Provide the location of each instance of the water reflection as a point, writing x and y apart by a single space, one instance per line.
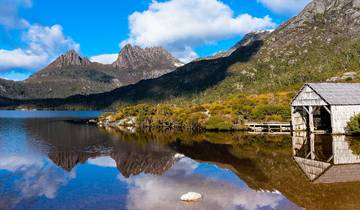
53 163
325 158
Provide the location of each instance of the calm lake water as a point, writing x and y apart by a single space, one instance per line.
50 160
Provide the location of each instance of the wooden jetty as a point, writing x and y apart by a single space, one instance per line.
269 127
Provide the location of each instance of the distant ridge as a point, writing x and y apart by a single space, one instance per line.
70 74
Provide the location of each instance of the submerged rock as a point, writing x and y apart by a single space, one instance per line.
191 197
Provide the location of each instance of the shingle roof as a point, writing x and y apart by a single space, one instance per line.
338 93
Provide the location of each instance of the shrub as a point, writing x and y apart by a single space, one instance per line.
354 124
218 122
355 146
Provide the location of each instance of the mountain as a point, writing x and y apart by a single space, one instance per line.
185 81
322 42
137 58
71 74
70 59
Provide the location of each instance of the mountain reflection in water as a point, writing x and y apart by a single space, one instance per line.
57 164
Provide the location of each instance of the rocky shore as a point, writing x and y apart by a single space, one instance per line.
128 124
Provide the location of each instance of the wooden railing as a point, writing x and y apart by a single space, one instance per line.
269 127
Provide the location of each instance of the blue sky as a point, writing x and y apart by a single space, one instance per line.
34 32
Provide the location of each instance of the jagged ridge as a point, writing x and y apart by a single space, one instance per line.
134 57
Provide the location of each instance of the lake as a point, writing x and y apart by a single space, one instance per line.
53 160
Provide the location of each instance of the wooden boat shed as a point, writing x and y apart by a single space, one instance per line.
325 107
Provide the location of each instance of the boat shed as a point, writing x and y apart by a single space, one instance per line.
325 107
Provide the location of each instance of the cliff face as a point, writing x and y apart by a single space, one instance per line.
145 63
71 58
134 57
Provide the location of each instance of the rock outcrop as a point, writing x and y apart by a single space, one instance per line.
134 57
71 58
335 11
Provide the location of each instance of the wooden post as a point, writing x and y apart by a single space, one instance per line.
312 146
292 125
311 119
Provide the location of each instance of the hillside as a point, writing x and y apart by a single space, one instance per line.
320 43
71 74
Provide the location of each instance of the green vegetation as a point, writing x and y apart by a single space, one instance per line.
225 115
355 146
218 122
354 124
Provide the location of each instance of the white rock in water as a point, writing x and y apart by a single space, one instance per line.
179 156
191 196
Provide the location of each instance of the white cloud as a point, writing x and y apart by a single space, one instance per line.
37 176
185 54
20 58
285 6
48 40
104 58
106 162
9 17
181 25
14 163
43 44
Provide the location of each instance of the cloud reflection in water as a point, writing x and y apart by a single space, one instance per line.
163 192
32 176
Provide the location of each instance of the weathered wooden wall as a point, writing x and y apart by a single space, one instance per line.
342 152
298 120
307 97
341 116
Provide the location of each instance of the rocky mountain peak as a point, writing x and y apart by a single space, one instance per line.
322 6
71 58
135 57
329 11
